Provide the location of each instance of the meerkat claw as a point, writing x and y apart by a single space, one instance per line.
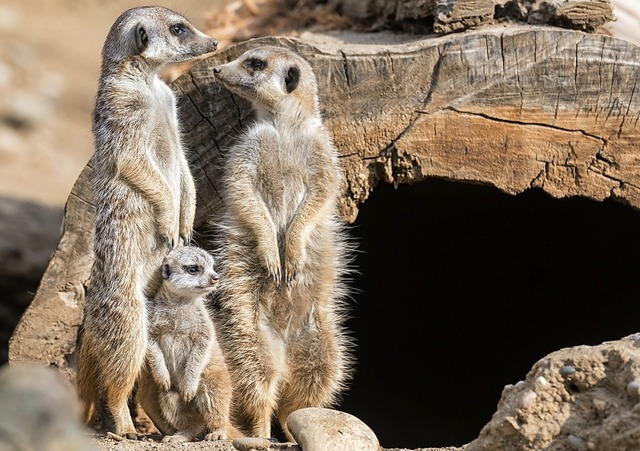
291 277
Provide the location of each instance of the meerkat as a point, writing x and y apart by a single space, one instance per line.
144 200
184 386
283 250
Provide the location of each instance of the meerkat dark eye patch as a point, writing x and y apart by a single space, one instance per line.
142 40
178 29
166 271
292 78
193 269
255 64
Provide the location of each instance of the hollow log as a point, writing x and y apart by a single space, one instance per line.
513 107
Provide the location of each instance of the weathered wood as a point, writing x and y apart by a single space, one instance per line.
577 14
455 15
515 108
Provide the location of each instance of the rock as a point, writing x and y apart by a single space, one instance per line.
317 429
29 233
39 411
589 401
251 443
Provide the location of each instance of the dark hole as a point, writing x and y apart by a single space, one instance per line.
573 388
463 288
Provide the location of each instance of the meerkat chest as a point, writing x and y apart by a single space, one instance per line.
178 333
285 170
165 131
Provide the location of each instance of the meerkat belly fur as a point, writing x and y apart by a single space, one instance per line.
144 198
185 387
283 251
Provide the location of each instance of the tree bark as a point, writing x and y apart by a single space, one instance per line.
456 15
513 107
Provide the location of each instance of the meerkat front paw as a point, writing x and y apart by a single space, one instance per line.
271 262
168 228
170 238
163 381
186 232
189 390
295 257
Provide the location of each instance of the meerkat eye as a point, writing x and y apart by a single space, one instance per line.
193 270
255 64
178 29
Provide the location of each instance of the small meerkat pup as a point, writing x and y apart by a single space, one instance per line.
144 199
185 386
283 251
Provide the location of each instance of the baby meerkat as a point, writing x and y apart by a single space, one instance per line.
185 386
144 198
282 248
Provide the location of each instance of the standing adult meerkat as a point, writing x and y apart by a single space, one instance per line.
184 386
144 199
283 250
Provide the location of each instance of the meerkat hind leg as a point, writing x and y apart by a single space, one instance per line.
118 405
311 382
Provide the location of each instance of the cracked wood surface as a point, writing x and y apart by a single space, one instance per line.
513 107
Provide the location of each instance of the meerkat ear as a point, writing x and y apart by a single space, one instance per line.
166 271
142 40
292 78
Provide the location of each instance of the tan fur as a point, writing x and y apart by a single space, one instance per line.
283 251
185 386
144 199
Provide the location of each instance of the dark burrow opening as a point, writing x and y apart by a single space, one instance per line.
462 288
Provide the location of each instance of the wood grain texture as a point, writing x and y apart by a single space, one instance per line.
450 16
513 107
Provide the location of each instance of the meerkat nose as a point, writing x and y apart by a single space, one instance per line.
214 278
217 70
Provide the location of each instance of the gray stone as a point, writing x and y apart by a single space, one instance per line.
251 443
39 411
317 429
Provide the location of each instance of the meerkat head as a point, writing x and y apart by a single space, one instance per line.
156 34
275 79
188 271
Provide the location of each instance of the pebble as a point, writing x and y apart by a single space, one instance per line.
251 443
576 442
318 429
636 341
528 398
567 370
633 389
600 405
